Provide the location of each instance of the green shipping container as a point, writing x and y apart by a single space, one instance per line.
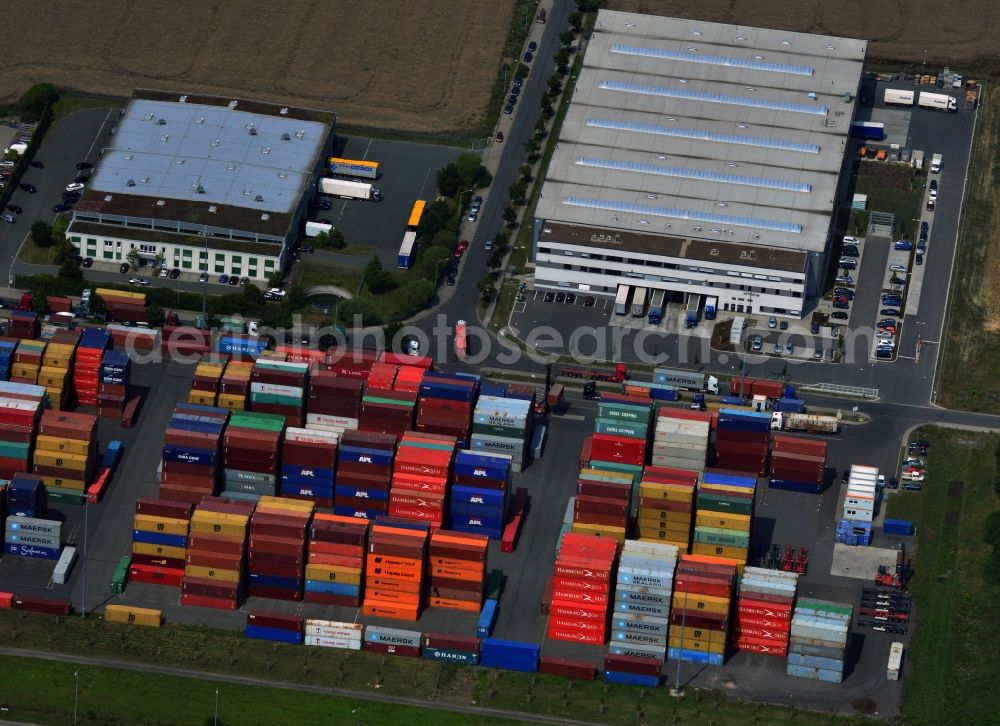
726 537
716 503
14 450
65 496
624 412
633 470
507 432
622 428
257 420
120 577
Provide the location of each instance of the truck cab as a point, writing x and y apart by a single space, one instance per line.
712 385
698 402
776 421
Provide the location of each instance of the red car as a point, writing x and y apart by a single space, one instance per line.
463 245
499 137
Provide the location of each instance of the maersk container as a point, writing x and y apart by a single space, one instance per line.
487 619
510 655
393 636
260 632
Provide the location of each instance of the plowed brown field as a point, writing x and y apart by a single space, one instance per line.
420 65
952 34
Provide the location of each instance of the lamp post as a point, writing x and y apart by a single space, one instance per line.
86 527
216 722
677 680
76 694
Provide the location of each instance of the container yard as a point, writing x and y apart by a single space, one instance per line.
380 506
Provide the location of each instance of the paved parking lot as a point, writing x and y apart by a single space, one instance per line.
407 172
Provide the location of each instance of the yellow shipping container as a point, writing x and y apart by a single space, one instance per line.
738 554
71 462
232 401
173 553
679 533
606 476
202 398
663 517
725 489
133 616
58 355
106 292
63 483
55 377
670 492
737 522
55 444
702 634
55 398
699 645
600 530
697 601
24 370
202 515
164 525
333 573
297 505
212 573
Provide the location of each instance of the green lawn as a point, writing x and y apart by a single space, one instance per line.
71 103
33 254
890 188
44 692
954 655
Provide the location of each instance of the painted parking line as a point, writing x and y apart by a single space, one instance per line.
520 307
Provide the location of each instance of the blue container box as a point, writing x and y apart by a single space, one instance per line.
317 490
487 619
510 655
332 588
472 495
260 632
489 388
365 456
375 494
112 455
898 526
22 550
695 656
732 480
286 583
190 455
158 538
485 531
631 679
305 471
492 523
355 512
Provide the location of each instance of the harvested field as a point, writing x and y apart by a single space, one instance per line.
420 65
899 31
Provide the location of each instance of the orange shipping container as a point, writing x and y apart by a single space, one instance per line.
390 610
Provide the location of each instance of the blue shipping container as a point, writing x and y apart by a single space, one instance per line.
510 655
376 494
898 526
287 583
354 512
796 486
472 495
158 538
259 632
112 455
319 491
305 471
22 550
332 588
487 619
694 656
631 679
189 455
365 456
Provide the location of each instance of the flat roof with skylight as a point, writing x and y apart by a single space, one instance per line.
721 132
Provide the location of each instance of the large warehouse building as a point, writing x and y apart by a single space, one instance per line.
201 183
700 158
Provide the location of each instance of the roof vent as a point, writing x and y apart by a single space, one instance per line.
284 111
266 150
130 183
107 197
161 122
164 137
286 136
143 179
786 42
200 120
128 157
618 238
214 143
182 99
160 203
246 192
593 238
149 116
212 208
178 161
300 134
258 198
265 216
744 254
812 95
232 105
848 97
230 167
200 189
282 174
714 252
253 132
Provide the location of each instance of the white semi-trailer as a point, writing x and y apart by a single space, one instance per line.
346 189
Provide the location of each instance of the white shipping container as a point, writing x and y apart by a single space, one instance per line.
323 419
895 666
61 571
341 643
277 390
311 436
339 631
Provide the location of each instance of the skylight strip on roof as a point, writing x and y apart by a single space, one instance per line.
695 174
675 213
714 60
722 98
699 135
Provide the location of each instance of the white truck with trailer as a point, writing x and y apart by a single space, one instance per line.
689 380
811 423
896 97
313 229
937 101
621 299
936 164
639 302
346 189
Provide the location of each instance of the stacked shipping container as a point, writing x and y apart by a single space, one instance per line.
666 506
21 408
722 523
234 386
681 438
86 367
27 361
7 348
481 482
26 496
278 387
502 426
278 531
420 478
445 404
364 472
581 588
336 557
160 531
764 611
387 411
251 448
798 465
205 381
699 619
113 383
216 555
622 436
741 440
24 324
394 570
32 537
56 365
602 504
641 615
334 402
191 452
456 570
66 454
818 643
308 464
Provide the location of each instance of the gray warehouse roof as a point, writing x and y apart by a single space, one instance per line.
703 129
210 153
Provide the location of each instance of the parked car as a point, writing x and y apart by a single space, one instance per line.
532 46
84 165
499 137
74 187
244 281
789 348
930 204
164 272
570 298
28 188
488 245
818 353
841 305
783 325
904 245
223 279
852 240
124 268
138 281
850 251
839 315
772 322
451 280
473 215
843 292
549 297
59 208
175 273
892 300
560 297
899 268
529 56
889 311
757 344
88 261
588 302
814 327
932 189
203 277
846 279
777 348
8 218
234 280
323 203
15 208
508 109
924 227
919 259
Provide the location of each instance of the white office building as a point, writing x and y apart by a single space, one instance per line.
700 158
